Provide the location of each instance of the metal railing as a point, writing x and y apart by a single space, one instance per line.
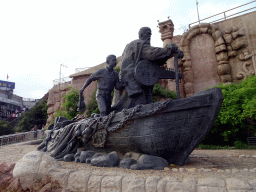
81 69
64 80
21 137
224 14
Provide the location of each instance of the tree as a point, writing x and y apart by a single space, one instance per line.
37 115
5 128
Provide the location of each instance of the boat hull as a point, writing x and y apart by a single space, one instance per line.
172 133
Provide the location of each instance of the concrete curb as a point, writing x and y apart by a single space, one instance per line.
82 180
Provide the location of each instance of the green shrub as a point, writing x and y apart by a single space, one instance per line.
161 92
92 106
5 128
69 107
243 145
238 106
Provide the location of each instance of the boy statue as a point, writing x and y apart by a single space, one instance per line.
107 79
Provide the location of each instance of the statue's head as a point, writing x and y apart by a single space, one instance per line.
111 61
145 34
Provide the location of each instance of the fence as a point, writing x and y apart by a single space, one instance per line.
224 14
20 137
81 69
64 80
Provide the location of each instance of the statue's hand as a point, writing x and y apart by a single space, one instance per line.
81 91
173 47
180 54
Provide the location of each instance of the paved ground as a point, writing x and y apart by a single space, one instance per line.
204 163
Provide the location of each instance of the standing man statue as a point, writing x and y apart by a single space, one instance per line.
136 51
107 80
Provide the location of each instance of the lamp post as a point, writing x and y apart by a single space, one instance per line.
60 70
197 11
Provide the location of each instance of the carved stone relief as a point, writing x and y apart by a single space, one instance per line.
246 71
226 46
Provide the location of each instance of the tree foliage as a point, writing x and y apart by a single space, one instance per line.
160 92
238 107
37 115
69 107
5 128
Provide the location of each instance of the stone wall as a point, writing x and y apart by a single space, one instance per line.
55 99
213 53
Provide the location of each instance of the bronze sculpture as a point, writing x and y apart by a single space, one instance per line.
169 129
138 51
107 80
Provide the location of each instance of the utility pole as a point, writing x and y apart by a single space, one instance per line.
197 11
60 70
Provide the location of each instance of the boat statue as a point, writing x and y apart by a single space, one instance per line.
169 129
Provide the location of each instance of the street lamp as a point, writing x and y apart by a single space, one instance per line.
60 70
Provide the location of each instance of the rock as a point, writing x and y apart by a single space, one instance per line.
61 176
242 156
15 186
111 183
30 182
151 183
167 169
88 160
94 183
52 186
162 184
235 171
48 163
28 164
139 166
6 167
181 170
77 159
6 178
220 171
245 170
175 169
156 161
109 160
192 170
237 184
254 156
227 170
97 155
126 163
86 154
211 182
133 184
253 170
207 170
78 154
69 158
78 181
132 155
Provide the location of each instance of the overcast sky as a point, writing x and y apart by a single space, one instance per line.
36 37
